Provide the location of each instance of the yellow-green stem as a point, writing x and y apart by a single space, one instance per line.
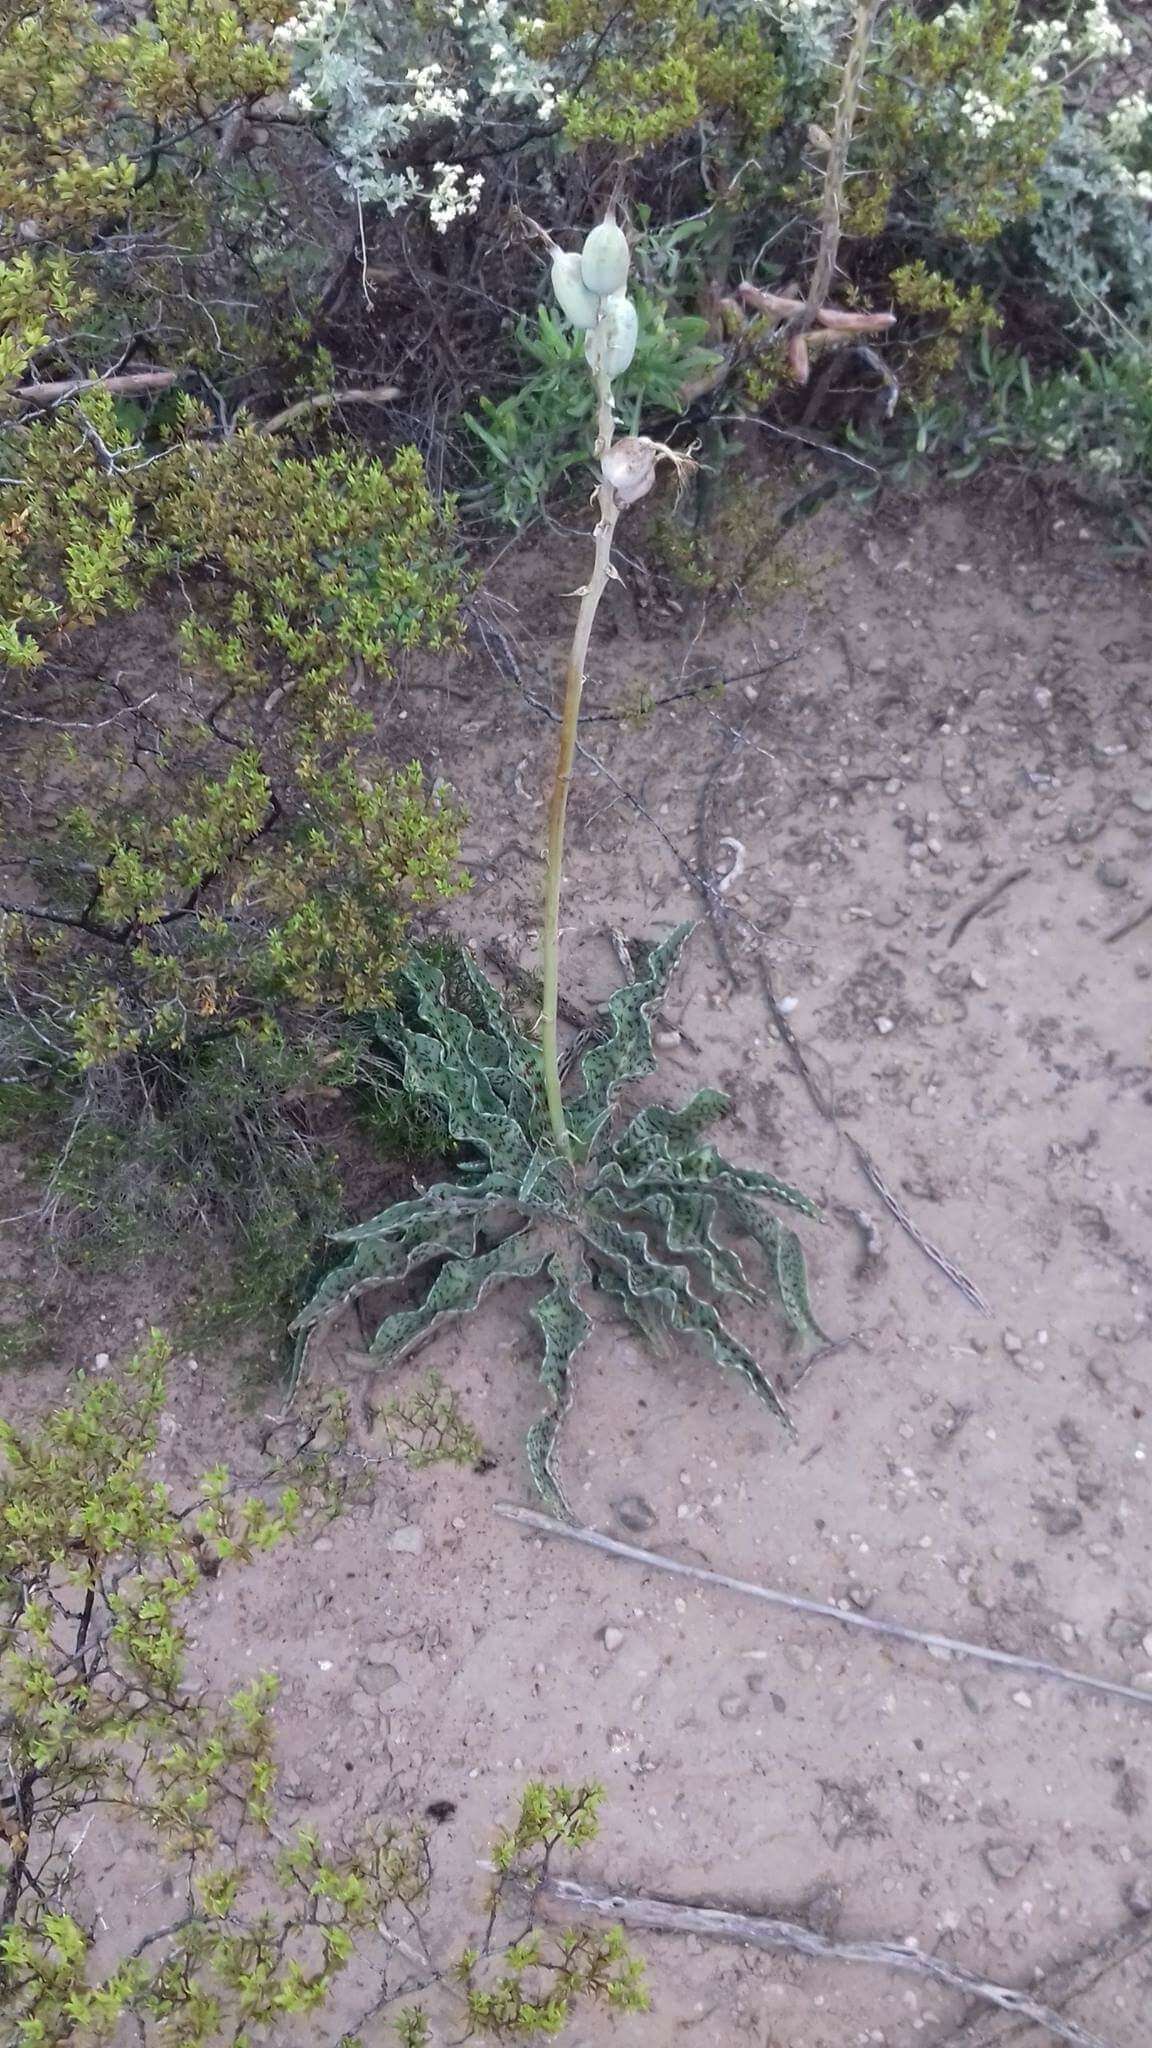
609 512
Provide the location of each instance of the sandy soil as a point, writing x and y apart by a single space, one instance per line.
959 701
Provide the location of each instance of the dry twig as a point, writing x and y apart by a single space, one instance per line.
1037 1667
1066 1981
382 394
758 1930
72 387
985 903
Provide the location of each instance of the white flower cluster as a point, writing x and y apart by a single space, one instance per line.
983 115
1101 35
430 99
453 197
1136 184
312 19
1128 120
383 72
1105 461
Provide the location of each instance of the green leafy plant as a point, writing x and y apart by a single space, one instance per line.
548 1186
99 1565
1089 424
538 435
428 1427
636 1222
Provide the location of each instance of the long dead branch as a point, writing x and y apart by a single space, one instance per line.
530 1518
757 1930
72 387
1063 1982
382 394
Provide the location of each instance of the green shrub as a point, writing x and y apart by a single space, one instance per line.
1090 425
99 1565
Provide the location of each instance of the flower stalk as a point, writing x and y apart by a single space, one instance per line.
608 512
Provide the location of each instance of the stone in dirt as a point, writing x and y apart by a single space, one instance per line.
1113 874
408 1541
633 1512
377 1676
1005 1860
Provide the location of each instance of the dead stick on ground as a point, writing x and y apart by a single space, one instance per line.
1132 925
530 1518
756 1930
382 394
986 902
1063 1982
71 387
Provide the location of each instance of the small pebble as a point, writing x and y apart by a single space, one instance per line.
733 1706
633 1512
1005 1860
978 978
409 1542
884 1025
611 1638
1022 1699
1113 874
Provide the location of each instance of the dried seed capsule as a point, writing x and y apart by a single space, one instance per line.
614 335
604 259
630 467
576 302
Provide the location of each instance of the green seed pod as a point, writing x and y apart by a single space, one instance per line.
614 334
576 302
604 259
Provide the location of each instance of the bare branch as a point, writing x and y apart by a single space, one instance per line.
131 380
544 1525
757 1930
383 394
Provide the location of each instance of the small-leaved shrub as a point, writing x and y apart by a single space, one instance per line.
102 1568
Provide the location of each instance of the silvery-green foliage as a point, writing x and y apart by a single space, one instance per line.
644 1219
1092 234
384 75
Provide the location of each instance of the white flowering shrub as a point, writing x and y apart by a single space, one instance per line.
405 92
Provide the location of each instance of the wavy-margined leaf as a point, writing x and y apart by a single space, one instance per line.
659 1133
444 1199
637 1310
474 1114
521 1054
684 1221
564 1326
785 1255
708 1169
669 1289
386 1256
625 1053
475 1049
458 1287
645 1213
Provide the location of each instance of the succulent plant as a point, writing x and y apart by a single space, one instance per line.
640 1218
